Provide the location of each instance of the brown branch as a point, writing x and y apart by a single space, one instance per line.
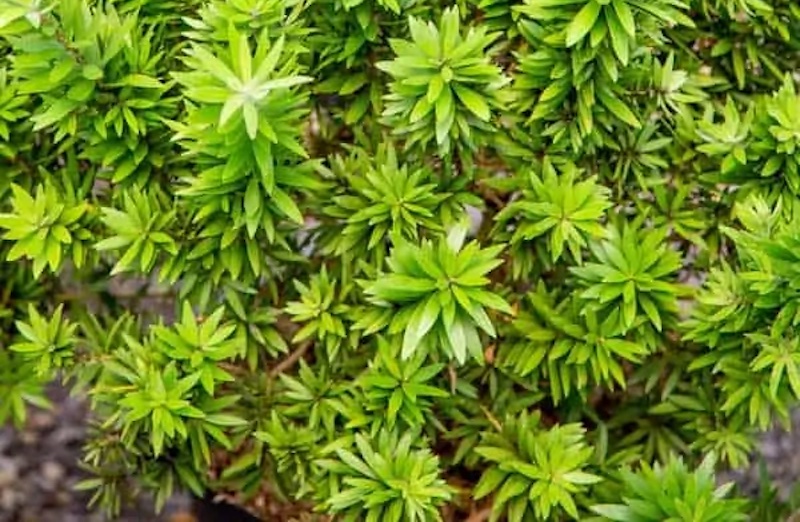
291 360
480 516
491 418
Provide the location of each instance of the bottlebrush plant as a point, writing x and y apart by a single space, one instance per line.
406 260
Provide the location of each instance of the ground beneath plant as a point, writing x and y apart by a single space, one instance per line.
39 468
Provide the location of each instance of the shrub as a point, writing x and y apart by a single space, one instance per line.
404 259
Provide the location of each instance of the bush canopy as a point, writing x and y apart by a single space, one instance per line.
406 260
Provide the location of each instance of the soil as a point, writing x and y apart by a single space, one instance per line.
39 469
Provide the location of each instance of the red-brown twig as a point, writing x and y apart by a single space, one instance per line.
291 360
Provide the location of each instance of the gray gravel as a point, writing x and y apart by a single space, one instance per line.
780 451
39 468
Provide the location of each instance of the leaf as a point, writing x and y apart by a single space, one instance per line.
739 67
355 463
216 67
54 113
395 402
449 30
421 322
241 48
629 304
583 22
12 13
252 198
267 65
490 481
434 89
230 108
457 338
617 108
619 37
142 81
473 101
287 206
400 288
445 115
220 419
250 119
92 72
457 234
616 512
625 16
421 109
513 487
580 477
489 300
424 35
279 83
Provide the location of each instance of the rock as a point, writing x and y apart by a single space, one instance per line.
6 438
42 420
769 450
8 501
52 472
63 498
67 435
9 473
29 438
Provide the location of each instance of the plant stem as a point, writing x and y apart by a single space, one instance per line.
291 360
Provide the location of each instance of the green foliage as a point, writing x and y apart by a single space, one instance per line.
198 348
558 208
405 259
535 469
629 283
379 198
139 230
437 290
20 386
321 312
45 226
389 479
293 448
673 492
751 321
443 84
569 346
400 388
48 343
160 404
314 399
